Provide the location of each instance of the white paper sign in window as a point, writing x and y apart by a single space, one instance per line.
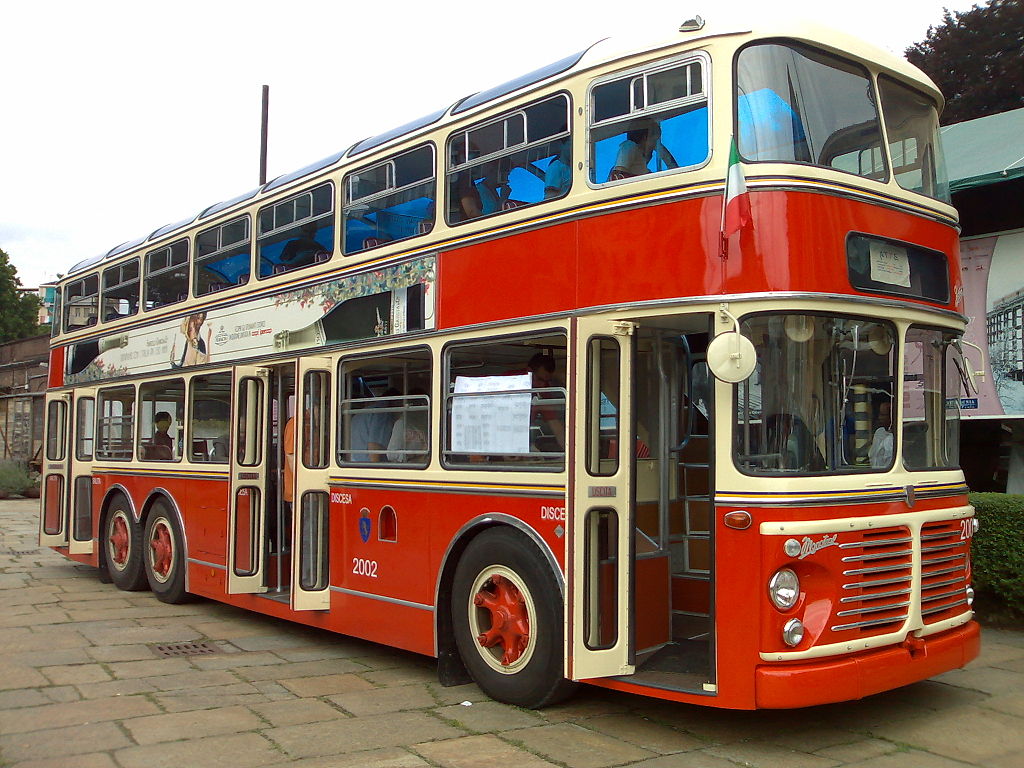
486 420
889 264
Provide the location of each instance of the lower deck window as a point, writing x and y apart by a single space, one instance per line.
505 404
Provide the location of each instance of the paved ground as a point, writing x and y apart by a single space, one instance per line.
81 686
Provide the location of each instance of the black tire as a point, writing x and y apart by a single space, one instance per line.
164 556
520 660
122 544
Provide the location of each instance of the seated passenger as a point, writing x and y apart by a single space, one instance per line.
637 149
408 441
304 250
882 443
558 176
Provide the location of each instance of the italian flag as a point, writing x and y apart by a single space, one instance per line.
736 209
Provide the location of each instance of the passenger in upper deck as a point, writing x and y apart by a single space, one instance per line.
558 175
303 250
636 151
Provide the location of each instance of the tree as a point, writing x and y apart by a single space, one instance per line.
19 313
977 59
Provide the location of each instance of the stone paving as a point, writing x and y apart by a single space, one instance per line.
81 686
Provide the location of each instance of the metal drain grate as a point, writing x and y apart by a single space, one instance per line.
184 649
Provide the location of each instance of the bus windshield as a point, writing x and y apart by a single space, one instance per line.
912 128
798 105
821 398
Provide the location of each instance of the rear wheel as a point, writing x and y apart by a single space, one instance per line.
508 620
164 558
122 541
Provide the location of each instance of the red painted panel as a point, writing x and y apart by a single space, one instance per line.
796 242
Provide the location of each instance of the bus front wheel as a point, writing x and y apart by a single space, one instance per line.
122 539
165 560
508 620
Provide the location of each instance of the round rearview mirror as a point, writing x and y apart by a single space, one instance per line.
731 357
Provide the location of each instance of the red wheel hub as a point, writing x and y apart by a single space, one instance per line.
119 540
510 622
163 549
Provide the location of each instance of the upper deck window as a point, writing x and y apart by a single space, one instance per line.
296 232
81 305
121 290
167 275
390 201
650 121
799 105
521 158
223 256
912 128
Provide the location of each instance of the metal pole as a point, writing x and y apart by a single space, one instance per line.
263 135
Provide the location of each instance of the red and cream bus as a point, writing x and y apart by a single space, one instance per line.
501 386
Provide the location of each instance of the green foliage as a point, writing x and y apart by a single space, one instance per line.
15 477
19 314
975 59
997 551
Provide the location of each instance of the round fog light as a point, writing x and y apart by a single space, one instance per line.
784 589
793 632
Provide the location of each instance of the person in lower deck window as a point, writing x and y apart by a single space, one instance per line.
882 442
371 430
547 423
637 149
408 442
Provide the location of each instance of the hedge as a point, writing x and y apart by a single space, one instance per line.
997 553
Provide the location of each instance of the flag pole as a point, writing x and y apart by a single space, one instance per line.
723 241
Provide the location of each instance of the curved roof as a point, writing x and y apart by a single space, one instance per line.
604 51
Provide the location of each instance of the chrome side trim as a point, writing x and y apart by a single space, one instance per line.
382 598
124 491
208 564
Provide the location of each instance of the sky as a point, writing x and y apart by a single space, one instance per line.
119 117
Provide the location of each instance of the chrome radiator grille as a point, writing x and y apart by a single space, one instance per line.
877 581
878 590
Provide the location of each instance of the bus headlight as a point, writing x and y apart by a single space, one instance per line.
793 632
970 595
784 589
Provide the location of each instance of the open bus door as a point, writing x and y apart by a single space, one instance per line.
311 586
53 517
247 533
81 454
602 552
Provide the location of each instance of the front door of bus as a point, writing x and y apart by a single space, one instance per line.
602 552
53 521
247 529
81 456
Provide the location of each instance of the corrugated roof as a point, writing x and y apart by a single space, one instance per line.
985 150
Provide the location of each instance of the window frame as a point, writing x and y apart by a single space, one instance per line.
646 70
295 224
122 282
171 266
446 400
101 451
199 259
449 170
68 304
869 76
190 420
140 405
347 201
340 444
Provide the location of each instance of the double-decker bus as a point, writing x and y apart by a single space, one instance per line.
500 387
